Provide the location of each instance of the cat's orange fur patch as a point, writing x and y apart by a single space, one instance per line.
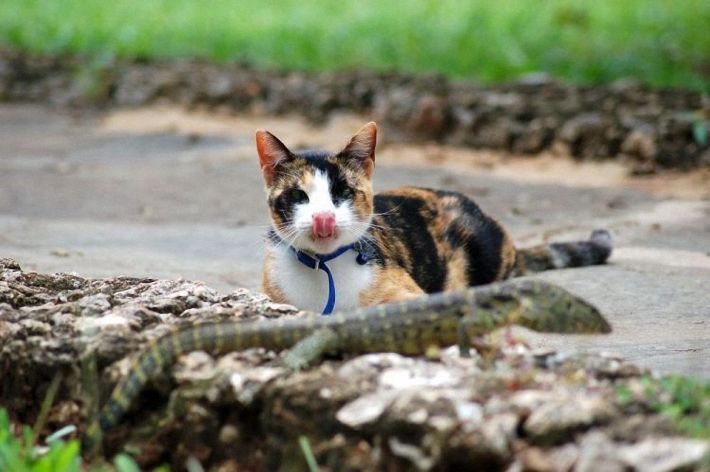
268 286
389 285
508 257
456 278
305 179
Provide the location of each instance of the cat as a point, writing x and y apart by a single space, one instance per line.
334 245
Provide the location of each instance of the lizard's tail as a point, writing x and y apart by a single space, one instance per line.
212 337
594 251
158 355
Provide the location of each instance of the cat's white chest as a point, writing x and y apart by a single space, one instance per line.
307 288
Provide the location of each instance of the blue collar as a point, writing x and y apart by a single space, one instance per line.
318 261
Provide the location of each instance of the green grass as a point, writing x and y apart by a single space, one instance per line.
21 455
685 399
661 42
20 452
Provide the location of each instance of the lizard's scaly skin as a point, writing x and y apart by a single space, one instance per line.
408 327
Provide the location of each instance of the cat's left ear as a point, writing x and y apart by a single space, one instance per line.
361 148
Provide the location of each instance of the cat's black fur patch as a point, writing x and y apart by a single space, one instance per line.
480 236
284 204
405 217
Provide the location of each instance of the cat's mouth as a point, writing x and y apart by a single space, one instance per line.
325 239
324 227
324 245
324 233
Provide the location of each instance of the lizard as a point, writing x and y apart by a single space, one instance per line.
408 327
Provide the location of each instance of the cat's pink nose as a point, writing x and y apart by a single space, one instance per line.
324 225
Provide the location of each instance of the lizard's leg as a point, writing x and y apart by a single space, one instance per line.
464 340
310 349
468 326
474 324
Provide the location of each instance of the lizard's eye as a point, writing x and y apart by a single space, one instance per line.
296 195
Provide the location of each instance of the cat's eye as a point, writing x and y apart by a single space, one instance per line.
346 192
341 191
296 195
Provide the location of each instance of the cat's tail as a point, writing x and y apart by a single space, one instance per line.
595 250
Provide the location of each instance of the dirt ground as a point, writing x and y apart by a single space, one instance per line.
168 193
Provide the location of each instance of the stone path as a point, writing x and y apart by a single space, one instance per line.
164 193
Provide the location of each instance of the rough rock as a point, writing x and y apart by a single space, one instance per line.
512 409
554 419
664 454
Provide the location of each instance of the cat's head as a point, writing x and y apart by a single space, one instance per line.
319 201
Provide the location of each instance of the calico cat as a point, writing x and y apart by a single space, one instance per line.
334 245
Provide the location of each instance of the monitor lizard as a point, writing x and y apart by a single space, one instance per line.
408 327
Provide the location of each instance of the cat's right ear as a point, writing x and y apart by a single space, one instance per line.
272 153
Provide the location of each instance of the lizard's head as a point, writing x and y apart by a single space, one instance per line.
538 306
551 309
319 201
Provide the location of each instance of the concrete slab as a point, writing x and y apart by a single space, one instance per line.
166 193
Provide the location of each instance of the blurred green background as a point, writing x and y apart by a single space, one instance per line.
663 43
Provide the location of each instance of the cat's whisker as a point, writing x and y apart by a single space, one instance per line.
373 225
289 233
368 237
287 236
366 226
286 228
392 211
258 226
